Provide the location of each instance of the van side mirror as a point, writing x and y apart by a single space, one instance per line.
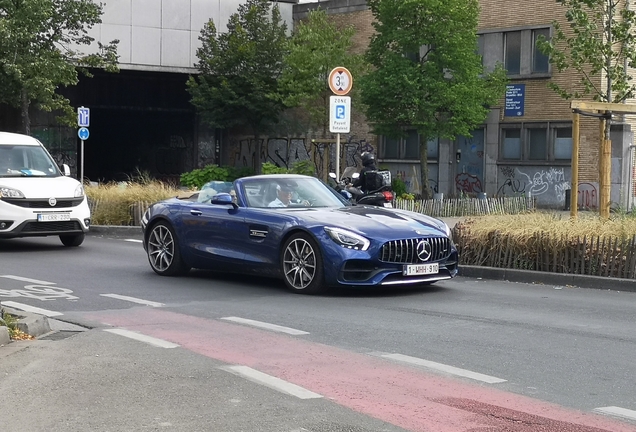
66 170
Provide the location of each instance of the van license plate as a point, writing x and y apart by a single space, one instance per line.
421 269
54 217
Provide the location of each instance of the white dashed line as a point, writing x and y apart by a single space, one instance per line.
617 412
134 240
441 367
133 299
33 309
142 338
271 382
23 279
267 326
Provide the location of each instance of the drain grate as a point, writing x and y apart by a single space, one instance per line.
59 335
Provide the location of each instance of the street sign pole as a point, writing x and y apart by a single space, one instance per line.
340 82
82 165
83 135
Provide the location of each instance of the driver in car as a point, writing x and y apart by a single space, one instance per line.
283 197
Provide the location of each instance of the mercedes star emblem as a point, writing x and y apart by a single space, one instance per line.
424 250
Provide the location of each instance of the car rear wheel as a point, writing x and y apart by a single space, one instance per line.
72 240
301 263
163 251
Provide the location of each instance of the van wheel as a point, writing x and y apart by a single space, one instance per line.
72 240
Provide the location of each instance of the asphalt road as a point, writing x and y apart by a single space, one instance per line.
461 355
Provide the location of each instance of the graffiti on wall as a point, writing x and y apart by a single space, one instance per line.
548 185
284 152
468 183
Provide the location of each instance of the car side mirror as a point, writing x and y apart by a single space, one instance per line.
223 199
66 170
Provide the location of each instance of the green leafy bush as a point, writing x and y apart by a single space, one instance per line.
196 178
398 186
270 168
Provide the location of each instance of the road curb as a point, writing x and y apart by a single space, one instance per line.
32 324
115 230
546 278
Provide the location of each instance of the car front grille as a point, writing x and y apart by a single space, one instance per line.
44 203
406 251
40 227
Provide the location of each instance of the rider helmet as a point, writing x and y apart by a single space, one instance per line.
367 158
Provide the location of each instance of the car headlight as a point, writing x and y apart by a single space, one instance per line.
348 239
7 192
79 191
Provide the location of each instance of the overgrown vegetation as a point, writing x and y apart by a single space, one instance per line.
11 323
196 178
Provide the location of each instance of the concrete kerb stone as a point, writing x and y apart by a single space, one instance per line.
122 230
546 278
30 323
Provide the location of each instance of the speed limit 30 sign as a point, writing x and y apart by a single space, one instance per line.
340 81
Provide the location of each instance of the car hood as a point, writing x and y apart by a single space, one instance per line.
42 187
368 220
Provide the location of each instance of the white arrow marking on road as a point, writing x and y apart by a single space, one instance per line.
133 299
142 338
33 309
23 279
267 326
271 382
441 367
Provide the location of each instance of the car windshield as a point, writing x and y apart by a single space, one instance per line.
26 161
289 192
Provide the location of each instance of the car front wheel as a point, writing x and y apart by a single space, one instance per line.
72 240
163 251
301 263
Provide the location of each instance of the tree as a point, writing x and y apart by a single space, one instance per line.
427 73
600 43
239 71
39 52
316 47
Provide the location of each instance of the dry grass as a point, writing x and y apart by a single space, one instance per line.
554 224
112 203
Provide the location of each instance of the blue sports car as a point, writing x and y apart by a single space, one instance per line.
296 228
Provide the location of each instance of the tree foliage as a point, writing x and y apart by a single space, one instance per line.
427 74
316 47
239 70
599 42
40 50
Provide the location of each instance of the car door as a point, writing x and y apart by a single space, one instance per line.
265 227
214 235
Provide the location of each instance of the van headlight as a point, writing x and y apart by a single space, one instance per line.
79 191
7 192
348 239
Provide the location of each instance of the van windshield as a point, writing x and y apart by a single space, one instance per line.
26 161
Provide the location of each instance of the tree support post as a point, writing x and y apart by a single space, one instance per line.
605 167
574 188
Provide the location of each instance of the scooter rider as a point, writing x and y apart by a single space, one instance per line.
368 162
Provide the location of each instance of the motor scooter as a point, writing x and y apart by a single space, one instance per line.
379 194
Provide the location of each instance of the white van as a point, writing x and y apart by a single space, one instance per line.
36 198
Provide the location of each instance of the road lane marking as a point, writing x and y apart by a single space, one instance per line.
617 412
134 300
134 240
143 338
267 326
441 367
271 382
33 309
23 279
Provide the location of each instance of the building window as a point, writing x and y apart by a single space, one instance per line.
512 52
407 148
536 142
540 61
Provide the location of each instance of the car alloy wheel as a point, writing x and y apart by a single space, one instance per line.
302 265
163 251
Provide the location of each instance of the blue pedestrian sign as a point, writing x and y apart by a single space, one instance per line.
83 117
82 133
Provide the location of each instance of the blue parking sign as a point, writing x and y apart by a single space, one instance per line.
83 117
341 111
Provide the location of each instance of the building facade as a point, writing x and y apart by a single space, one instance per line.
524 146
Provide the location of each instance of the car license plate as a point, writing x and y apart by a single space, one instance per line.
54 217
421 269
388 205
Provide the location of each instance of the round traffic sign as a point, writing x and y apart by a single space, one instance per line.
82 133
340 81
